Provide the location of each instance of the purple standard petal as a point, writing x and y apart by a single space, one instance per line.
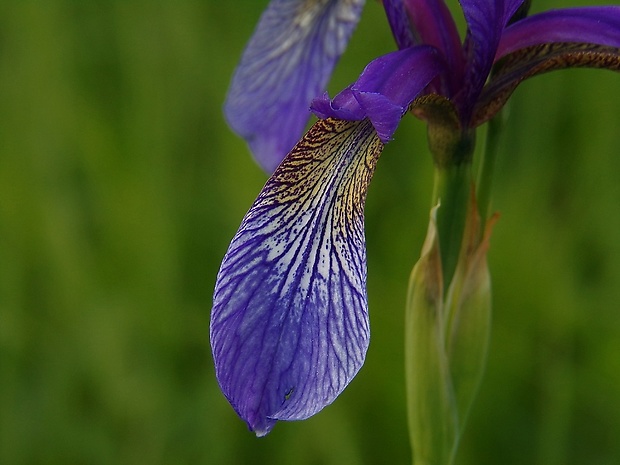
594 25
433 25
486 20
385 89
286 64
289 325
399 23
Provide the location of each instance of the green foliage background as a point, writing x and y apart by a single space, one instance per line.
121 185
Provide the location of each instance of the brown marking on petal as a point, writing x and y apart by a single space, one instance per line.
531 61
335 153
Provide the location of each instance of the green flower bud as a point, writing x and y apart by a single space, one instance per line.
468 313
432 414
446 338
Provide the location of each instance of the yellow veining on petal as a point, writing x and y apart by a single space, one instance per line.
336 160
322 185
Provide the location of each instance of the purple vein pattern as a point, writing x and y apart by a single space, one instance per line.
289 325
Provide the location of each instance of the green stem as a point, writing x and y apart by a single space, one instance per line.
452 192
487 166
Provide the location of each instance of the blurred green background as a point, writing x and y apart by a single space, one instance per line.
121 186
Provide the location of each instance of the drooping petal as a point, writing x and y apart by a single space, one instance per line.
289 325
486 20
538 59
286 64
594 25
385 89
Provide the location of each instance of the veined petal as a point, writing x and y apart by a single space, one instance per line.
286 64
289 325
486 20
385 89
594 25
538 59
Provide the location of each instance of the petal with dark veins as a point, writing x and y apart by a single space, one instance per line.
289 325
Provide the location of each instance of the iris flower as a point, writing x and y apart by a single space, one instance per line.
289 324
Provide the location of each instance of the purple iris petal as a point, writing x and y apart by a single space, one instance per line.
289 325
434 25
285 65
486 20
385 89
594 25
399 23
343 106
531 61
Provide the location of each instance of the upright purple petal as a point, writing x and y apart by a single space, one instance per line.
400 23
594 25
385 89
289 325
286 64
433 25
486 20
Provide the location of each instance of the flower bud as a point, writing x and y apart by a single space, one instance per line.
468 313
446 338
432 413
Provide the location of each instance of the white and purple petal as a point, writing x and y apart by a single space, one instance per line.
385 89
289 325
287 63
